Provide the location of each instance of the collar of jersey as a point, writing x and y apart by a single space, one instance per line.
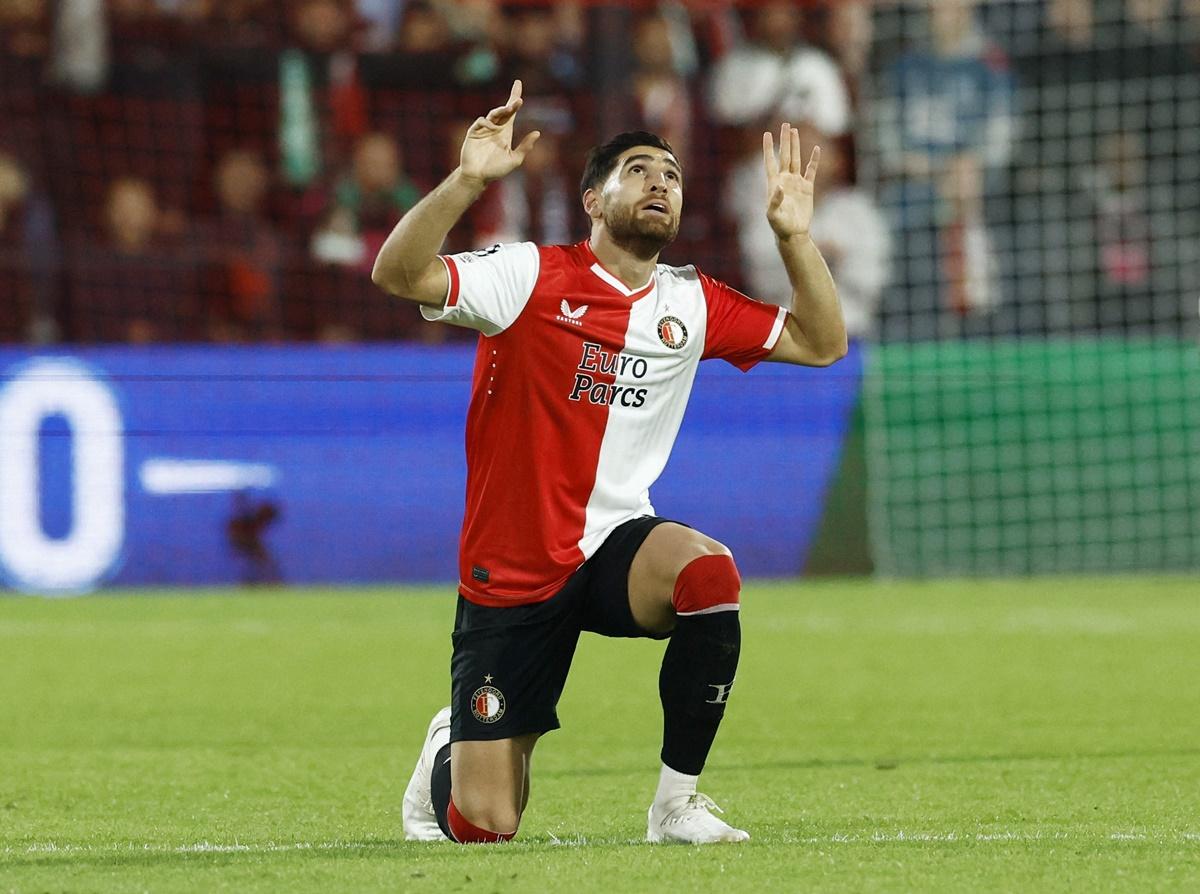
603 274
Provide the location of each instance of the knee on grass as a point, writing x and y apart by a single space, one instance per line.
482 821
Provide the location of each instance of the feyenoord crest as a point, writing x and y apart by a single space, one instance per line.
672 332
487 704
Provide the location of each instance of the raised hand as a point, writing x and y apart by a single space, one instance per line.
487 152
789 193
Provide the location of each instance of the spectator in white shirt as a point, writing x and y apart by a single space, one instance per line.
849 229
776 74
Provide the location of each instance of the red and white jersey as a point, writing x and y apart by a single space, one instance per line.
579 389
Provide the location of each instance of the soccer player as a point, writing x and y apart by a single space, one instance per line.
583 369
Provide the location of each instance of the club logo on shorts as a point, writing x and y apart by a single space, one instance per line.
672 332
487 704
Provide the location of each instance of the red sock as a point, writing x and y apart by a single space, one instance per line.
466 833
706 585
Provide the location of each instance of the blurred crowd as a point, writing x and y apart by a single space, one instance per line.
225 170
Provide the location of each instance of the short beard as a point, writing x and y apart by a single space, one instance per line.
644 239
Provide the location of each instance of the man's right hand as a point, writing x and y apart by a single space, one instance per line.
487 152
408 264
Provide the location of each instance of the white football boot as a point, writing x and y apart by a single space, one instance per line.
420 823
690 822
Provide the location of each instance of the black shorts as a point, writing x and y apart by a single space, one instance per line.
510 664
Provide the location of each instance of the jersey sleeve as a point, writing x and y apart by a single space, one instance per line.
740 329
488 288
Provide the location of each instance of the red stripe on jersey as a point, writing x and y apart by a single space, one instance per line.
452 269
538 414
740 329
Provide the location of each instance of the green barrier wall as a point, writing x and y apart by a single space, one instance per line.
1017 458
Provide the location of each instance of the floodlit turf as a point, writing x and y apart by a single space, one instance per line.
949 736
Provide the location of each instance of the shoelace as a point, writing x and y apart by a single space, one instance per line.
694 802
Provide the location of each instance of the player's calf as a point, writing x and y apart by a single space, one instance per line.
485 816
472 816
695 683
700 663
464 831
480 788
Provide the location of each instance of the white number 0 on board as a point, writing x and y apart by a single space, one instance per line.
31 560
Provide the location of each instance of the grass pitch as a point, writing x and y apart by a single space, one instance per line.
952 736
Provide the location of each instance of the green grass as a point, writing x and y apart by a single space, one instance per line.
948 736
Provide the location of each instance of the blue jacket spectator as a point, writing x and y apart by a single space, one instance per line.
945 130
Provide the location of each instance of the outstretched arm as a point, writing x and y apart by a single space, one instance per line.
407 264
815 333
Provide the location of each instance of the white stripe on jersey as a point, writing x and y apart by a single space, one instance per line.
776 330
616 283
637 441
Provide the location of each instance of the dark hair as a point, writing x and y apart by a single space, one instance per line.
600 158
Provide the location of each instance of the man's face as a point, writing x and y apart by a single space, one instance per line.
950 21
777 25
376 163
242 182
642 199
132 213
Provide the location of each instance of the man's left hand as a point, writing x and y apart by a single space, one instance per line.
789 192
